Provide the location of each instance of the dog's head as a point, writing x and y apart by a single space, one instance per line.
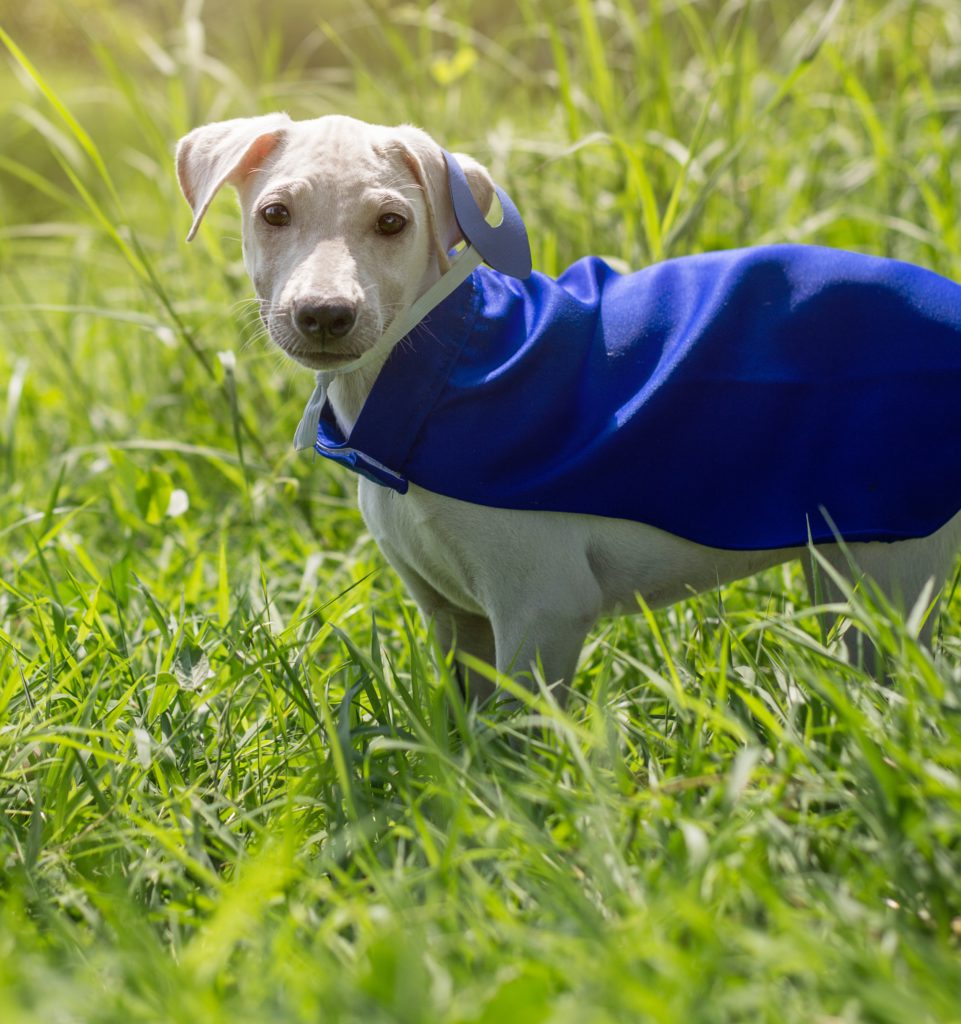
345 223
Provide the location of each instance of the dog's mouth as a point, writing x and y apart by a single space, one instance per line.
315 355
317 359
322 353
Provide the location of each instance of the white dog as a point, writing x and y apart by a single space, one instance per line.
345 226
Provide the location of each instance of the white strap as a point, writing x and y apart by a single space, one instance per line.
464 264
306 433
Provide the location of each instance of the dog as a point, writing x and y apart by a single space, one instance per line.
346 225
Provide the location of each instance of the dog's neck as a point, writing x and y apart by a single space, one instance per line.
348 392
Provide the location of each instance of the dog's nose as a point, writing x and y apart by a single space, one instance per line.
319 319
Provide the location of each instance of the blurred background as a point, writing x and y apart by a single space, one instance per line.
606 113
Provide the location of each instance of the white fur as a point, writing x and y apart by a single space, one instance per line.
508 587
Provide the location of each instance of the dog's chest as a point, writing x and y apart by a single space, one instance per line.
423 536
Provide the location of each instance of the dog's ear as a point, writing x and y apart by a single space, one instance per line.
224 153
426 162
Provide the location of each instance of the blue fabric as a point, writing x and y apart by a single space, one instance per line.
725 397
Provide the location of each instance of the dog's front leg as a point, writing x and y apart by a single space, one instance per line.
457 630
545 640
471 635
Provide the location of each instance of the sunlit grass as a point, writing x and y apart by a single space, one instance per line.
236 778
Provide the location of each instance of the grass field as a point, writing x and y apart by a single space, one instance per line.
236 782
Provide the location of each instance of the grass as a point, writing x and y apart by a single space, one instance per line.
236 781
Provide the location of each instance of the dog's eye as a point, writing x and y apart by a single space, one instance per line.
277 215
391 224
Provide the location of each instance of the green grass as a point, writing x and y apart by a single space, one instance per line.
236 781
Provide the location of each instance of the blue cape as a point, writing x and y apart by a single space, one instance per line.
731 398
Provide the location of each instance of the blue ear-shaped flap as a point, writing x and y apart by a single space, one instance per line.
505 247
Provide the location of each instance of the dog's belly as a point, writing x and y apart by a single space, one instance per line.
631 560
478 558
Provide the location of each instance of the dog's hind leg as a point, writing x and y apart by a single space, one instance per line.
905 572
473 635
911 571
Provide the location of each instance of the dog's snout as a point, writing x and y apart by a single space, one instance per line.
317 320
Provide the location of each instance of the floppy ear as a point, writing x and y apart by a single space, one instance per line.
222 153
426 162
